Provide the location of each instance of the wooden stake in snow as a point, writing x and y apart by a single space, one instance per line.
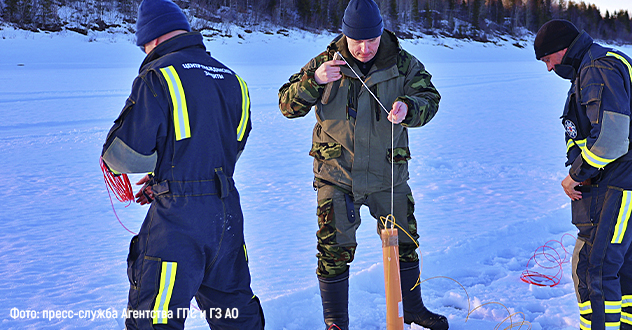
392 282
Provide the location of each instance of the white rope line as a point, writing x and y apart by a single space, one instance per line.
367 87
392 130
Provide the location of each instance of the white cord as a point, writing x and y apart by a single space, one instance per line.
367 87
392 131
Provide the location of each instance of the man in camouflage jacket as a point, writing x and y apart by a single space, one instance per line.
361 151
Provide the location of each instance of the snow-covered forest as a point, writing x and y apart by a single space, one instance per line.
480 20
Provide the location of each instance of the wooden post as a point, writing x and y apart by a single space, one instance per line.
392 282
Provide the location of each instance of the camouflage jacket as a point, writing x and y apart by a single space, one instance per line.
351 142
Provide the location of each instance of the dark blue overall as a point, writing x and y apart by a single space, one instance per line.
186 120
597 123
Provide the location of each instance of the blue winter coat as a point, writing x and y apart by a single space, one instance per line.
597 112
187 120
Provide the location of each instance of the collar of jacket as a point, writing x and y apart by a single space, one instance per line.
574 55
385 57
179 42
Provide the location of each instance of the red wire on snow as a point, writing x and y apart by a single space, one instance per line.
547 257
120 186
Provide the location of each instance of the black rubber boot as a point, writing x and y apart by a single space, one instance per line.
334 293
414 309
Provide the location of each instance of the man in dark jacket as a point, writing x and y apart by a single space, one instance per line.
361 150
187 120
597 122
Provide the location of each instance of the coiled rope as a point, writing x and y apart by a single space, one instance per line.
547 257
120 187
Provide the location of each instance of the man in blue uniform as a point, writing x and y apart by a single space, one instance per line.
597 122
186 121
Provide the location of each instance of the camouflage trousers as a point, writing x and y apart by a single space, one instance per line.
339 218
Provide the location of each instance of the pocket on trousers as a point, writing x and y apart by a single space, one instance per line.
132 256
582 212
143 273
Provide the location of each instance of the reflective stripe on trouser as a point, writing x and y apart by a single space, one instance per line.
167 280
339 218
626 310
602 270
191 247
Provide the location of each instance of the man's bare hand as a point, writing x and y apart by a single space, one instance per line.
140 197
569 188
398 113
328 71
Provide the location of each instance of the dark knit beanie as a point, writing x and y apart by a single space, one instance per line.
554 36
158 17
362 20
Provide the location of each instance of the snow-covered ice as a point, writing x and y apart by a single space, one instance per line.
485 174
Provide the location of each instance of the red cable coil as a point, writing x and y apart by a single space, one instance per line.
553 260
120 186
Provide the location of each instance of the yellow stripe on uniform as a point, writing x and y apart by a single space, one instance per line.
584 324
585 308
622 59
167 280
589 156
613 325
180 112
245 109
623 218
569 144
613 307
579 143
594 160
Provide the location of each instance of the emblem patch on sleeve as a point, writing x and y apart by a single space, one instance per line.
571 130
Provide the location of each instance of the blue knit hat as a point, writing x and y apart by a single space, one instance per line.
158 17
362 20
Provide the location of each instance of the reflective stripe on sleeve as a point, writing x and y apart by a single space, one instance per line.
580 143
589 156
622 59
178 99
626 301
594 160
626 318
584 324
167 280
622 219
245 109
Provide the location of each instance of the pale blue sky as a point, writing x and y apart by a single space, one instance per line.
612 5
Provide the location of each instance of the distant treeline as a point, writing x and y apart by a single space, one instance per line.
474 19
